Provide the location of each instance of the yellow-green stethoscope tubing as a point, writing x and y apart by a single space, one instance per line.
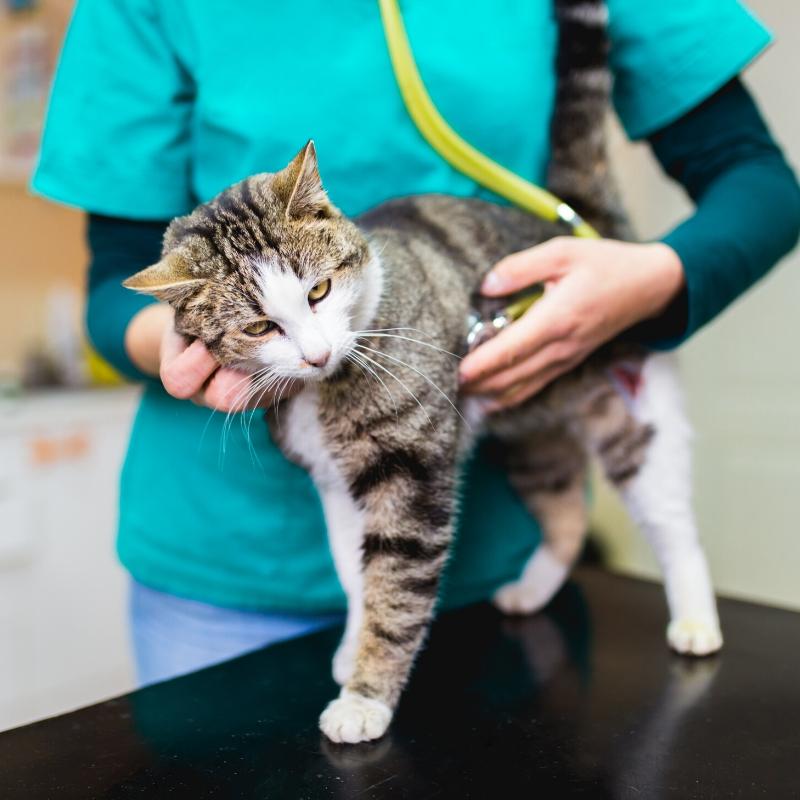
455 150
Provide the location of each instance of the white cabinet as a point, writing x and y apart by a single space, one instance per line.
63 634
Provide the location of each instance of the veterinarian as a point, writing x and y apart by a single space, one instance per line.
159 105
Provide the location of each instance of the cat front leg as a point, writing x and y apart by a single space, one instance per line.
302 439
344 520
407 493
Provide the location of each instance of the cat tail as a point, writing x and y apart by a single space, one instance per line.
579 170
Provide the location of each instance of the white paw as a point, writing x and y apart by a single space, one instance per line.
520 597
353 718
542 577
694 636
344 661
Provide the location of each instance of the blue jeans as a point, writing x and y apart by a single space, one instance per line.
172 636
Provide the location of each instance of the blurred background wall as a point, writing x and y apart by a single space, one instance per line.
42 246
742 375
63 640
42 253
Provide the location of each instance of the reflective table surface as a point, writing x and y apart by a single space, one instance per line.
582 700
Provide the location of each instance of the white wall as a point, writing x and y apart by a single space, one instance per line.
742 375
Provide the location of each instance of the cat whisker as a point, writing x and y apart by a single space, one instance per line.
415 341
422 375
226 423
277 393
279 396
350 357
261 388
265 387
380 253
356 358
391 374
241 399
275 405
384 330
249 377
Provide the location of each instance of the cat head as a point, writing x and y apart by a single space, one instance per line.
268 274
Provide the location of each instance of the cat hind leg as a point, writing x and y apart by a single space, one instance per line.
549 474
649 461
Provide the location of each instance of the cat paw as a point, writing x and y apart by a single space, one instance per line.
543 576
694 637
353 718
520 597
344 662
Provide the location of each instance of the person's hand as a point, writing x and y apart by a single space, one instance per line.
188 371
594 289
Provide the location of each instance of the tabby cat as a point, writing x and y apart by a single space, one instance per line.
365 315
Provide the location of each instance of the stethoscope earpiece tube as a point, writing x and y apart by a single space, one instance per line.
474 164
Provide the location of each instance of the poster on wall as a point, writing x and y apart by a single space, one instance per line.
30 36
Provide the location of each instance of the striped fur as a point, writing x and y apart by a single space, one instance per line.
579 171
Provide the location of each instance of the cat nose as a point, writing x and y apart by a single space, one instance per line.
320 359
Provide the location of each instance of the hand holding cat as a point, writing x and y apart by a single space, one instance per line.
189 371
594 289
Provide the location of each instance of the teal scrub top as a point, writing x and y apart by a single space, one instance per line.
159 105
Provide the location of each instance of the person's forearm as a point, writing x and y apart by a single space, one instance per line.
118 248
143 337
721 258
747 215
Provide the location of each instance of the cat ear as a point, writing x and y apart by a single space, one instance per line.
301 184
170 279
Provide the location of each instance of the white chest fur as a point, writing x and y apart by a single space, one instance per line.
303 437
343 517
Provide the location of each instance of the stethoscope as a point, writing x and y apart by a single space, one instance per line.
482 169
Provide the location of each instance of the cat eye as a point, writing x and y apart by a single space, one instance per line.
320 291
260 328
